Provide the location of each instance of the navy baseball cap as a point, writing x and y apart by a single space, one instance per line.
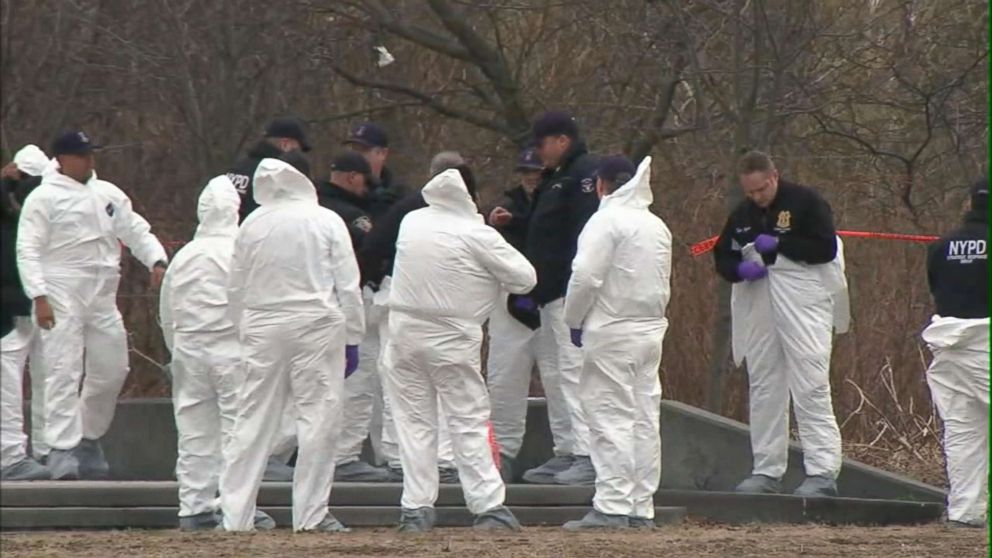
528 160
368 134
74 142
613 166
349 161
288 127
555 123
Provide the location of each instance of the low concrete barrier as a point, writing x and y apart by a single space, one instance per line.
700 451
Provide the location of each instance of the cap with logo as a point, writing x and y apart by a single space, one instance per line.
350 161
288 127
555 123
613 166
528 160
74 142
368 134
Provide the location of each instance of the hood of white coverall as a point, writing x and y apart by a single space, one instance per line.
635 193
277 181
31 160
217 208
447 191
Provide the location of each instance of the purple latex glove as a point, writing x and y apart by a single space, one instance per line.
350 359
766 244
576 337
525 304
751 271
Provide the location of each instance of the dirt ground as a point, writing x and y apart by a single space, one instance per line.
689 540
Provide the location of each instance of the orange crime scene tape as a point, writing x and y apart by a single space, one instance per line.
700 248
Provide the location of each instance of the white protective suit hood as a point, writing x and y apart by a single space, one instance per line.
31 160
277 181
217 208
448 191
636 192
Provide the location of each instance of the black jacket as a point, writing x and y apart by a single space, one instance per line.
958 270
563 202
385 194
517 203
13 301
800 218
354 211
242 174
379 249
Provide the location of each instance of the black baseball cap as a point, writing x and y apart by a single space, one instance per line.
288 127
613 166
368 134
528 160
555 123
298 160
349 161
73 142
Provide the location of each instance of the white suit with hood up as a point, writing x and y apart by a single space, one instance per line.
783 327
68 249
206 354
959 384
449 269
16 347
295 300
617 295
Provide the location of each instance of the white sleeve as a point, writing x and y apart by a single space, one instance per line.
165 309
32 240
593 259
503 261
135 232
236 283
344 268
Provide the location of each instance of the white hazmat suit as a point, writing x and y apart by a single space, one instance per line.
206 354
449 270
617 295
783 327
514 349
68 249
296 303
16 348
959 384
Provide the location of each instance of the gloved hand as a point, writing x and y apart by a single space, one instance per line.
350 359
766 244
525 304
576 337
751 271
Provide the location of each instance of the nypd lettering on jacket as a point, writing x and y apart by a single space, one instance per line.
800 218
967 251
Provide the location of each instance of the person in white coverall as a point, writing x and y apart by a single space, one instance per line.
518 340
20 335
958 337
296 304
68 256
786 263
206 354
449 269
615 307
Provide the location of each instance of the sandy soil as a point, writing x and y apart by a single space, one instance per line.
690 540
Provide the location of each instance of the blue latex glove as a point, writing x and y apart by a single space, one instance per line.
766 244
350 359
751 271
576 337
525 304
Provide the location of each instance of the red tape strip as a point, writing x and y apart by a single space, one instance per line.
700 248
